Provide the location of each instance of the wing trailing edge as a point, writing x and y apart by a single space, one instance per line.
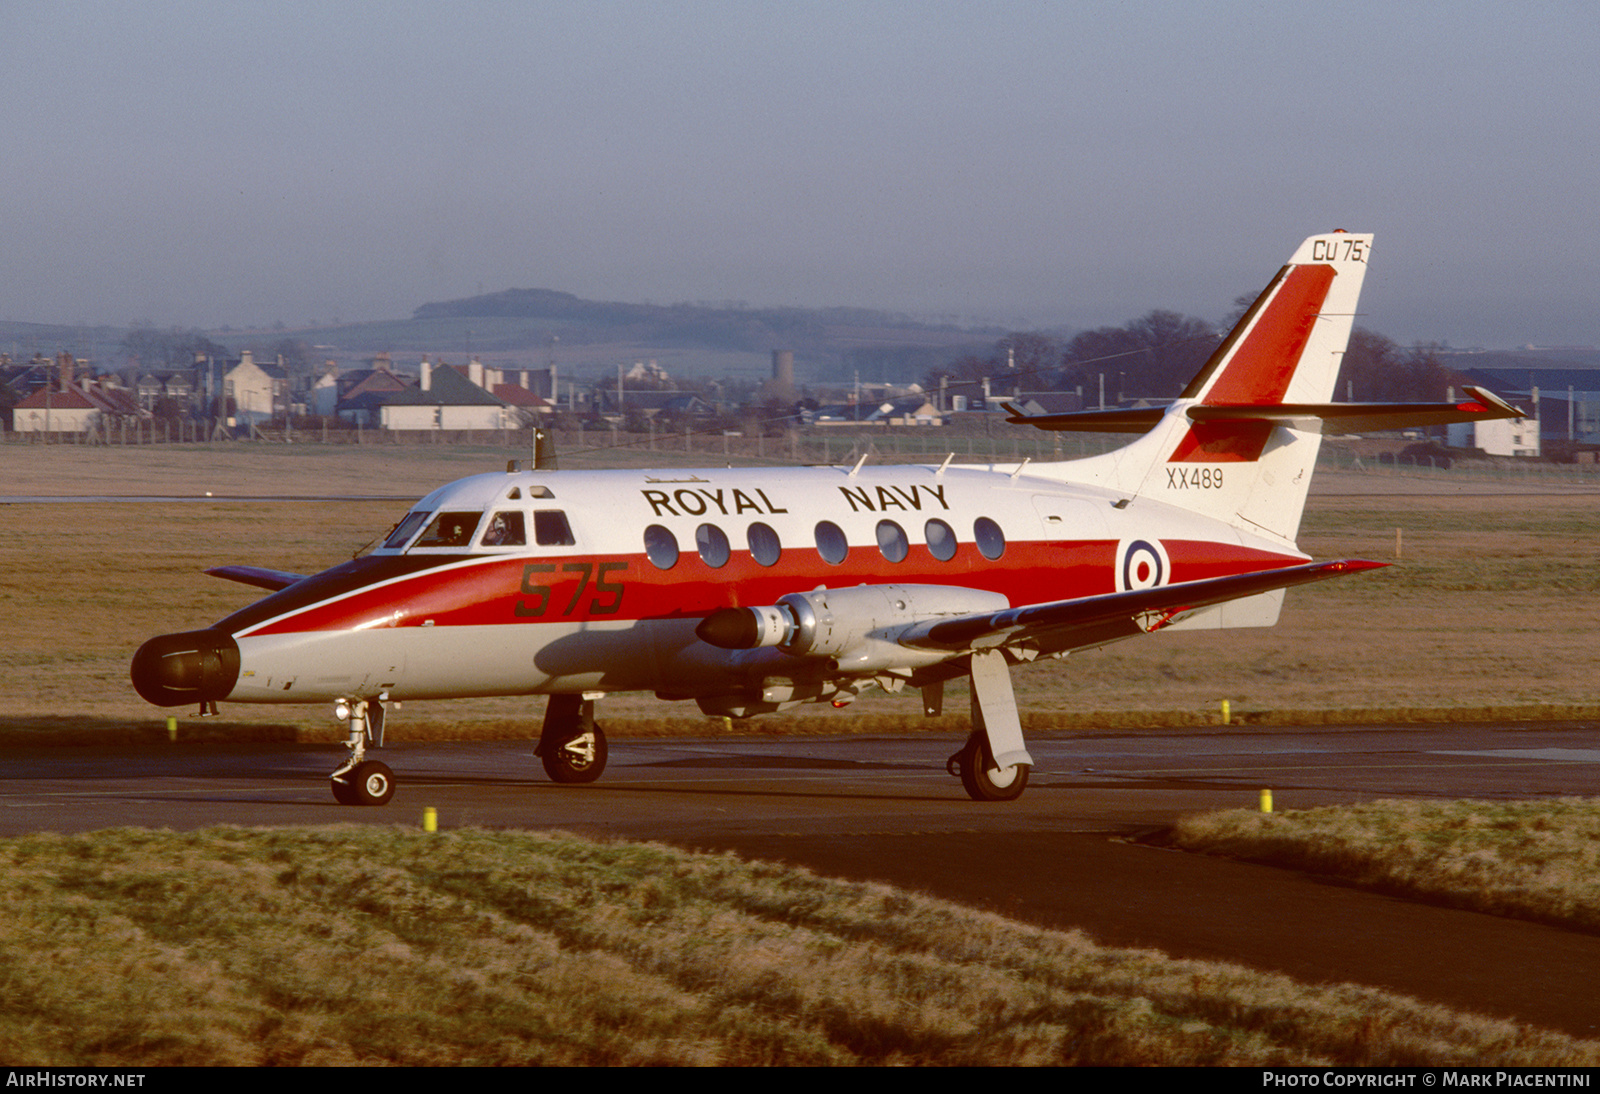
1151 608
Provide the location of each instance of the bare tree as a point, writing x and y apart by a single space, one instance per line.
1152 356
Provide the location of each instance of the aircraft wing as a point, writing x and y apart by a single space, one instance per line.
1151 609
258 576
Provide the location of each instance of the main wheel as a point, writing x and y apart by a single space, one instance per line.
983 781
343 792
369 783
578 760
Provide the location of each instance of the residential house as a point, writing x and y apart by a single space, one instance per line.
258 392
446 399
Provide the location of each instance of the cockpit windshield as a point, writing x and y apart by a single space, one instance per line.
405 529
451 529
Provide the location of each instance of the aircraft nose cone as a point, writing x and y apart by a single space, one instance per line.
191 667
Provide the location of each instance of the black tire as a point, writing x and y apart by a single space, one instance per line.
370 783
343 792
579 759
986 783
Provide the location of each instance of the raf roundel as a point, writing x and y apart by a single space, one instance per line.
1142 564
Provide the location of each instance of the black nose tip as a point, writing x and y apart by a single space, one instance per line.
192 667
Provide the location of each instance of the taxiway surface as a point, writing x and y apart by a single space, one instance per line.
883 808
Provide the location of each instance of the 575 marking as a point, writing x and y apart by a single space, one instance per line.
1194 478
536 597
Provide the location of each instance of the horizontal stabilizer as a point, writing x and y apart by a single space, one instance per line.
1365 417
1153 608
1115 420
259 577
1482 405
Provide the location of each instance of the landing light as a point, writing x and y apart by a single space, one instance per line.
341 711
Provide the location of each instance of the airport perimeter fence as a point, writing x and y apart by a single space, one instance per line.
985 441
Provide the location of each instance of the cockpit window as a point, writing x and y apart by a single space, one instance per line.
450 530
405 529
550 528
505 530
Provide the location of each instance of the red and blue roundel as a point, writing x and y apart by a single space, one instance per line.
1142 564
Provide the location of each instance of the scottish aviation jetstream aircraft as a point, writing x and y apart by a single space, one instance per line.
752 590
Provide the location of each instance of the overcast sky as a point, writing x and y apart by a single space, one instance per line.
214 163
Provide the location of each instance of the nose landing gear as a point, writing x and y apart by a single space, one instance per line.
360 781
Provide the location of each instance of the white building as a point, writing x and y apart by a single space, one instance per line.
1500 437
257 391
446 399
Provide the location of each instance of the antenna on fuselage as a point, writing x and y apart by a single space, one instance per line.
544 450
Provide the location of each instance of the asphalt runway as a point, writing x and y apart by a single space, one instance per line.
883 808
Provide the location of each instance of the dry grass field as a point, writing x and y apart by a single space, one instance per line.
368 945
1489 612
1537 860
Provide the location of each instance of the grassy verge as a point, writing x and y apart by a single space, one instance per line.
351 945
1532 860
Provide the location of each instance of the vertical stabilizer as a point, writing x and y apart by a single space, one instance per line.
1287 349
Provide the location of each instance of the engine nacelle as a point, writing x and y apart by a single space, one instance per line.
856 626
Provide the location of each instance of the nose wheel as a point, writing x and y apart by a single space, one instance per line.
368 783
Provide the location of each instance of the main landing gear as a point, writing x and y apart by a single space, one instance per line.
993 765
981 778
360 781
572 745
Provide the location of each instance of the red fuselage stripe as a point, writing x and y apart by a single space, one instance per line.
587 588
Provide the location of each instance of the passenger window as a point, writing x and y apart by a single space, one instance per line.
506 529
941 540
712 543
892 541
764 545
550 528
450 530
991 541
831 544
661 546
405 529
